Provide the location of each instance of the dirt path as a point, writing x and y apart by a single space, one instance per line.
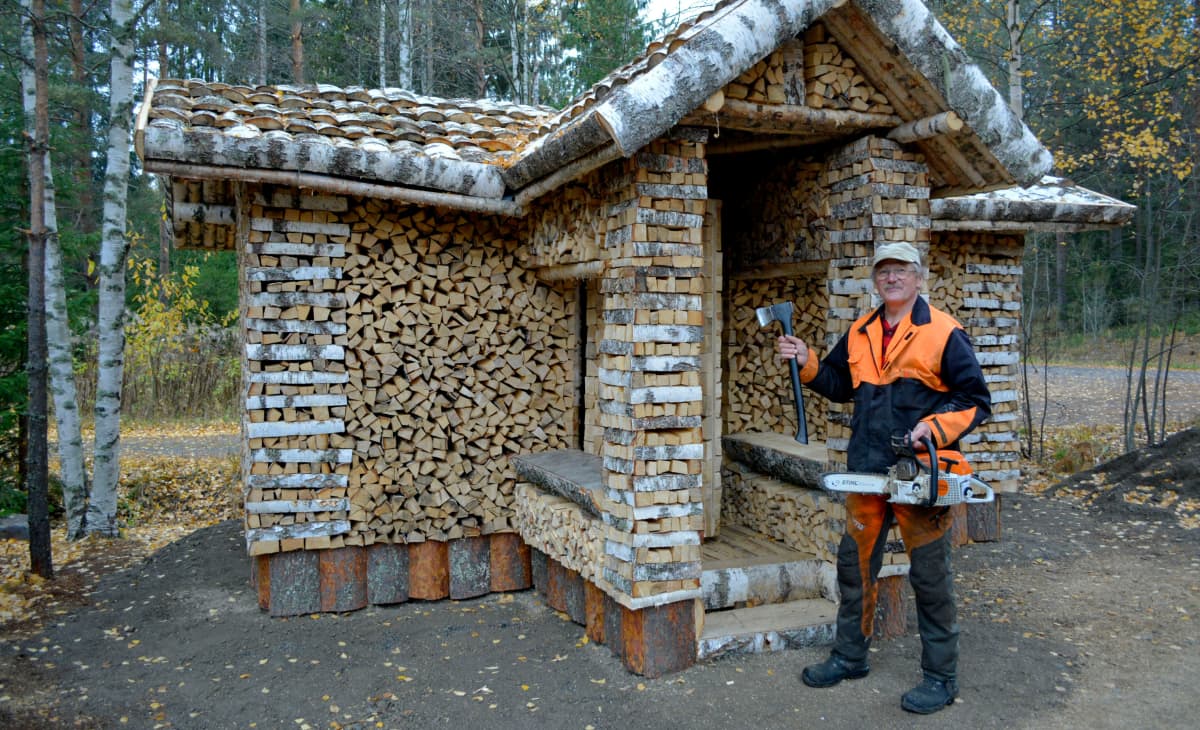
1073 620
1094 396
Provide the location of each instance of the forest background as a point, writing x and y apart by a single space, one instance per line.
1110 87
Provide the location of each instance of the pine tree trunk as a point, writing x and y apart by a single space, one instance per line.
58 333
297 44
36 476
480 65
262 41
102 510
83 117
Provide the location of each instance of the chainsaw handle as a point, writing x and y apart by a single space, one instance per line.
988 494
931 500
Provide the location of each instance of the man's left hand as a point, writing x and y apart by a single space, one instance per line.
919 432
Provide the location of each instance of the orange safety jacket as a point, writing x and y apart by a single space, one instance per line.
929 373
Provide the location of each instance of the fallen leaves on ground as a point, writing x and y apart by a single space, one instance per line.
162 497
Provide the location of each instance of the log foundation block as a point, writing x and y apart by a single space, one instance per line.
660 639
387 574
891 610
556 585
293 583
511 568
594 611
983 521
343 579
352 577
470 567
958 525
260 572
574 596
539 569
428 570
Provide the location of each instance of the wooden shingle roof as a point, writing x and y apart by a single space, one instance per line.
496 156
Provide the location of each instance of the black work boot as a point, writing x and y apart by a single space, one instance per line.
833 670
930 695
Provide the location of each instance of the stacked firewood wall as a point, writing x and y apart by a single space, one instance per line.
832 78
810 72
758 390
459 359
878 193
394 364
649 366
202 217
569 226
298 456
776 79
976 277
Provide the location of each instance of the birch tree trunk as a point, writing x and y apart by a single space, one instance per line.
36 476
58 333
102 509
382 44
514 33
404 25
1016 86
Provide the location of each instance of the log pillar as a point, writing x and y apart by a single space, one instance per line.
878 192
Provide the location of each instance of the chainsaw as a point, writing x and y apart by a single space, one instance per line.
912 478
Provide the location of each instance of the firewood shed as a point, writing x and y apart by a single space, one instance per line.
492 346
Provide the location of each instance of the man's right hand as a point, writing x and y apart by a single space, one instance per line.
792 348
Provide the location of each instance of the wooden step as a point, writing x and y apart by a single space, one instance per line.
773 627
742 567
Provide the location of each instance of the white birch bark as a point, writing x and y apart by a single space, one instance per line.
404 27
58 334
382 44
102 510
1016 85
515 36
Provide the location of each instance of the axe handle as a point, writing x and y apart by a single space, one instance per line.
797 393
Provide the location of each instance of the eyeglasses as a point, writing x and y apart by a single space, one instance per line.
889 272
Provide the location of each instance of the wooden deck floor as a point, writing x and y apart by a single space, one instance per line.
739 546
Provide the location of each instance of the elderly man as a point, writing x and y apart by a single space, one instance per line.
909 369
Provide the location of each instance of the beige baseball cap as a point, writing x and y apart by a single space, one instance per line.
897 252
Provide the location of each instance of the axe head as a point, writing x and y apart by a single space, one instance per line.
781 312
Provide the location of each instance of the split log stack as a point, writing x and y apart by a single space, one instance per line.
833 80
758 391
299 456
650 395
803 518
557 527
201 214
812 72
392 366
977 278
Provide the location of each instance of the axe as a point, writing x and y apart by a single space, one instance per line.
782 313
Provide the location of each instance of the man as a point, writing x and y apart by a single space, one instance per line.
909 369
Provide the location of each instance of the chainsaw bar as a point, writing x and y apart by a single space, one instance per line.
952 488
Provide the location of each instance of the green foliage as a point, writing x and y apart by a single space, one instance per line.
601 36
180 358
